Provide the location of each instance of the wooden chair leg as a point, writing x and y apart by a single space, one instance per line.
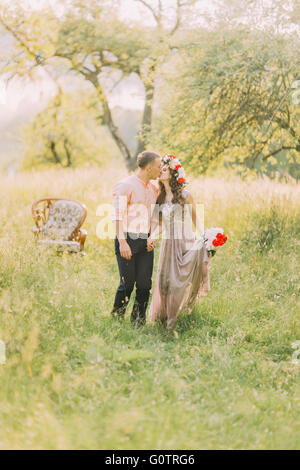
82 238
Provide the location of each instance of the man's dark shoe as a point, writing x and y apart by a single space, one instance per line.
134 313
137 317
119 313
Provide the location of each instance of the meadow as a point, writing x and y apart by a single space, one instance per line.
75 378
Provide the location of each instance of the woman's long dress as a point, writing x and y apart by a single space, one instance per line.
183 267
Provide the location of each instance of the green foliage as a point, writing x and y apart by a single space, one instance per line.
225 94
229 103
67 133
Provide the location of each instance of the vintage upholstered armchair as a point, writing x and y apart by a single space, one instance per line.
58 222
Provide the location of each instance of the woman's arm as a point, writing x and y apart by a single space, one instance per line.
198 223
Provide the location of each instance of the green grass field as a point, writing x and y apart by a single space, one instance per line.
75 378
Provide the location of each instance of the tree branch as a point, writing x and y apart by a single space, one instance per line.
156 17
281 101
39 59
178 17
284 147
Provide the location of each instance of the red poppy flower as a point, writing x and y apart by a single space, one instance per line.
177 166
180 180
215 242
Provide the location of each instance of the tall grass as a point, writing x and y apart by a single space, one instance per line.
75 378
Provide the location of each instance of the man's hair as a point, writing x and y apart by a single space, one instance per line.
145 157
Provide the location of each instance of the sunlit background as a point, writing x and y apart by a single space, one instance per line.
85 85
23 97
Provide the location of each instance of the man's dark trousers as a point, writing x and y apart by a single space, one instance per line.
136 271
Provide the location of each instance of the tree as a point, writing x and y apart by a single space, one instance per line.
83 42
66 133
232 97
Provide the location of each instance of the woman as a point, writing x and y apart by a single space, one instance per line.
183 265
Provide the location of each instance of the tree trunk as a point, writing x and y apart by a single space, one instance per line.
68 153
54 153
146 120
108 120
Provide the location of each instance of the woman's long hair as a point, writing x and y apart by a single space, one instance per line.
176 189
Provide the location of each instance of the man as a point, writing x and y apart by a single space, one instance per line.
134 200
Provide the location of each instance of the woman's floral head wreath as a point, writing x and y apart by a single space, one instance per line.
175 165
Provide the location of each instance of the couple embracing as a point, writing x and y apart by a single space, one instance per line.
183 265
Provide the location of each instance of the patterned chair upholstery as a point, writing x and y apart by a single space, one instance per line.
58 222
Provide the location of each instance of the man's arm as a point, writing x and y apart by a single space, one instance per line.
121 197
125 249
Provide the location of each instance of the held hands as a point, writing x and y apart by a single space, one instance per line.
125 249
151 244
